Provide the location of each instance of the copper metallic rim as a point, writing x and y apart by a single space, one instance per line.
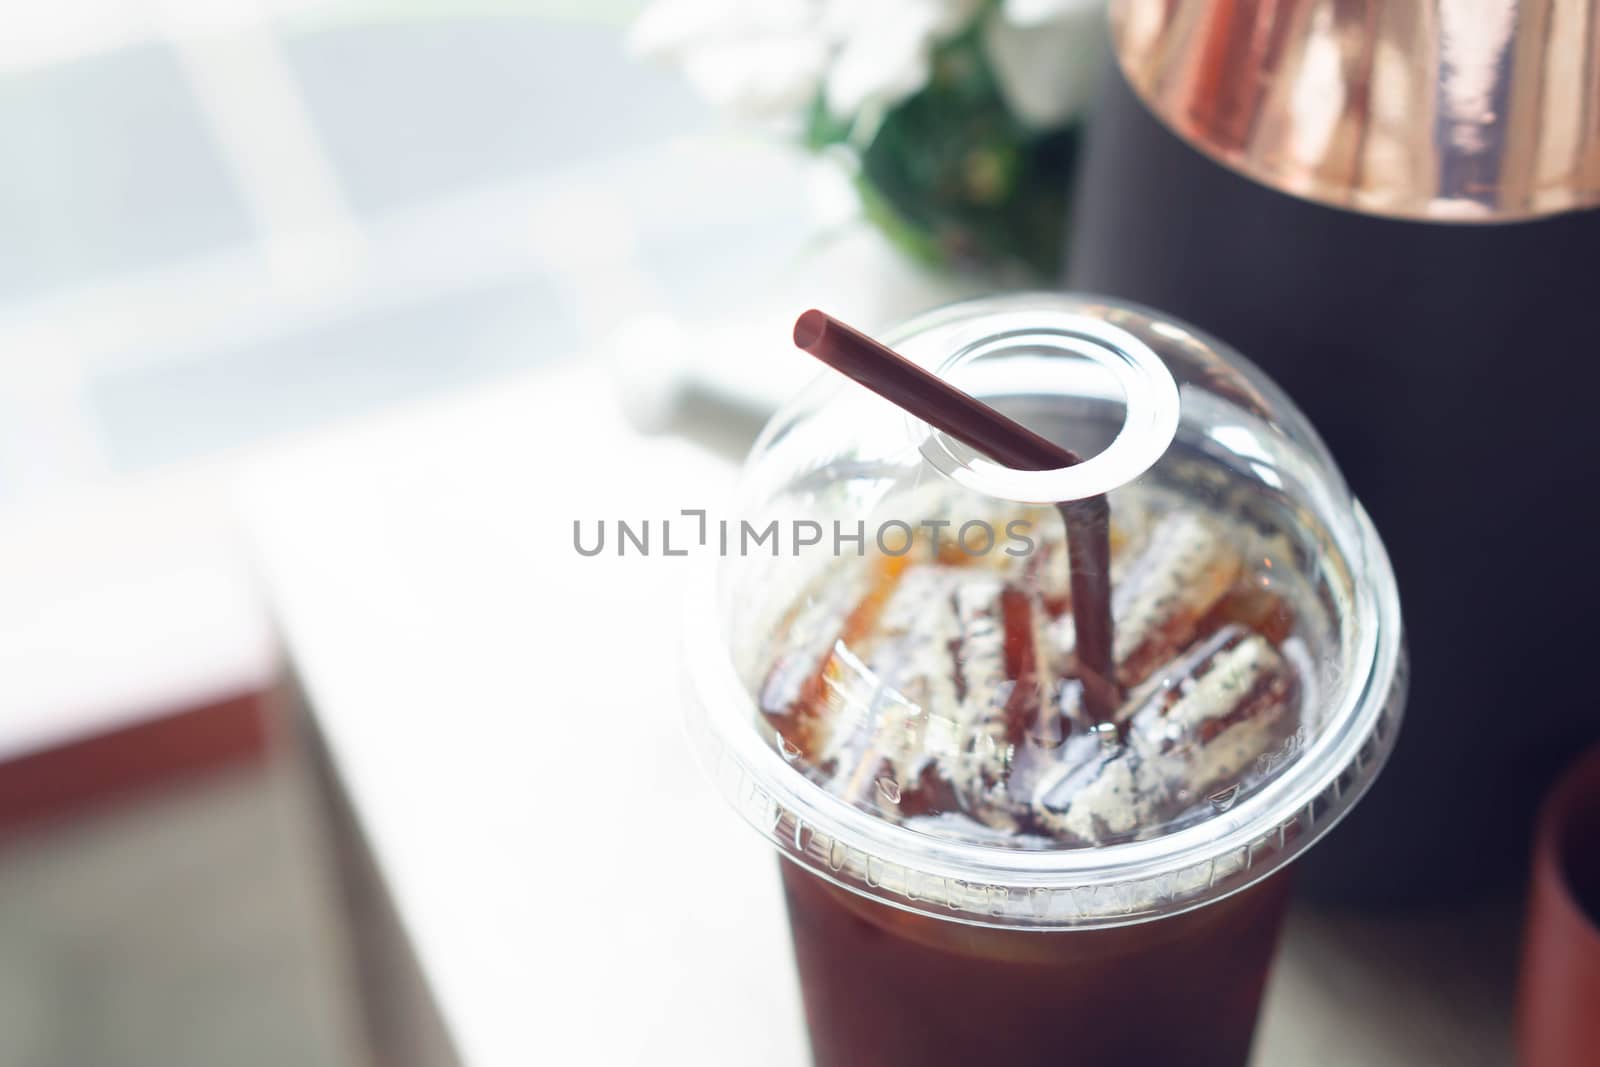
1444 110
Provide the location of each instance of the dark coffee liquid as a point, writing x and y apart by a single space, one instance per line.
885 988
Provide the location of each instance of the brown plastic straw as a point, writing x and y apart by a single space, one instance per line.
1009 443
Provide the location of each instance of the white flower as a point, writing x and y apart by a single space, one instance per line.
758 58
1039 12
1046 56
770 58
765 58
885 48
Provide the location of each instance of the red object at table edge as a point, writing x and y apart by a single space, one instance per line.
1558 1002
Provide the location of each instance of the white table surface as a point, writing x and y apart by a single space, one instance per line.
504 716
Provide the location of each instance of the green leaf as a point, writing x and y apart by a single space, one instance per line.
953 178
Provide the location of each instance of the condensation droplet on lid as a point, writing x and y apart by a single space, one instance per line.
789 749
1107 732
1224 799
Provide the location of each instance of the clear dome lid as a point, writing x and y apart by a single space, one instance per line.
885 668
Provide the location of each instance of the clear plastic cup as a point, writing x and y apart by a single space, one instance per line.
974 869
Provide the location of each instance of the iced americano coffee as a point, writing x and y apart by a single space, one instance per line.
1000 845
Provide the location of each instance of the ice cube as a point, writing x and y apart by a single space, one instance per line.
1181 569
1098 792
794 694
1215 711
